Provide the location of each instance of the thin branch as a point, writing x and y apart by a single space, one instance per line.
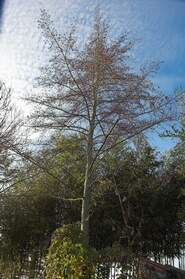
70 72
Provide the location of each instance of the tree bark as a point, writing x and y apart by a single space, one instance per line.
86 206
87 195
88 181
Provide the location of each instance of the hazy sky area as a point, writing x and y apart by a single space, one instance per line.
158 26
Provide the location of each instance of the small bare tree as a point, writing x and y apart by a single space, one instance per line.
9 124
92 91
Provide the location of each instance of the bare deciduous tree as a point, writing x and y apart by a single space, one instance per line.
92 91
9 124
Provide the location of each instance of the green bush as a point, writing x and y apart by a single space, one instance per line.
68 257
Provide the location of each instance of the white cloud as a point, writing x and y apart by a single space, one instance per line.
22 50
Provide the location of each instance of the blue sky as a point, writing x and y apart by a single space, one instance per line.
158 26
1 10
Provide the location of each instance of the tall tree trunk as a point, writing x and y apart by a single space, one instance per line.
86 205
89 172
87 187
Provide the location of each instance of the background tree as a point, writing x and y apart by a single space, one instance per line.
140 204
10 123
145 187
93 92
149 193
38 204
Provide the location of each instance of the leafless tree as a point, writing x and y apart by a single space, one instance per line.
9 124
92 91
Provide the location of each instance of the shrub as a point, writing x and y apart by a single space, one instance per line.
68 256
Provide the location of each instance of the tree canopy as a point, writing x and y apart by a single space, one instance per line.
93 92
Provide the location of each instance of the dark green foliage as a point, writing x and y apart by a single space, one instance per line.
27 222
136 208
34 208
147 220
